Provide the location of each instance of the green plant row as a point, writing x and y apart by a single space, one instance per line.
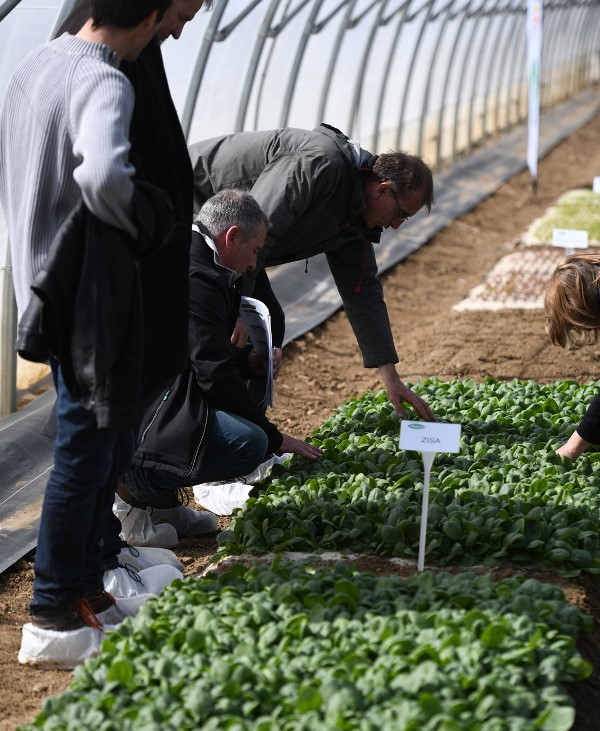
288 647
505 498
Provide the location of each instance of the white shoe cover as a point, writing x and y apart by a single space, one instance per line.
50 649
138 529
187 522
143 557
122 583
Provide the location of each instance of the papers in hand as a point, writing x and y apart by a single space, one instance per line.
257 320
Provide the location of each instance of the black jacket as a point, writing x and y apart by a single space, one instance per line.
171 436
86 307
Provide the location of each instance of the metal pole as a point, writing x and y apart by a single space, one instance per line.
8 329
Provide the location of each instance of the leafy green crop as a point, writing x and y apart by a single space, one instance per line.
287 647
506 498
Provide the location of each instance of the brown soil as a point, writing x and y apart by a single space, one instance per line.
323 369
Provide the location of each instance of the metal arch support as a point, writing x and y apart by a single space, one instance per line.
293 78
518 39
200 66
358 86
496 75
332 61
510 37
493 67
428 81
590 46
386 75
7 7
263 34
476 72
551 33
522 106
476 18
428 6
446 86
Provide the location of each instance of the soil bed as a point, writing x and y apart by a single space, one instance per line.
324 368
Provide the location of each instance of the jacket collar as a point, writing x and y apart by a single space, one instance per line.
358 162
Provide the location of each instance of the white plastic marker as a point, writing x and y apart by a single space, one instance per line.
428 438
569 239
596 184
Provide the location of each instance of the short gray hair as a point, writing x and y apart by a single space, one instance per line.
229 208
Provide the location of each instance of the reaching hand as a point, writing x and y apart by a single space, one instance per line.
297 446
399 394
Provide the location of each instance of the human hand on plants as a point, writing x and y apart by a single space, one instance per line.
298 446
575 446
399 394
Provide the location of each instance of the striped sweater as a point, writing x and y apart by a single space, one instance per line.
64 131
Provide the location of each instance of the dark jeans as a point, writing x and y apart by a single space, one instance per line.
77 507
235 447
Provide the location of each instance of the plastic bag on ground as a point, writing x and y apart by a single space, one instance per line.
222 498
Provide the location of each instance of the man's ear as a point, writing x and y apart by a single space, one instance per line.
232 236
382 188
152 20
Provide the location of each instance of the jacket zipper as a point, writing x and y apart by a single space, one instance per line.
156 413
195 457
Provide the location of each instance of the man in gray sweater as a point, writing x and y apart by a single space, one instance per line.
63 140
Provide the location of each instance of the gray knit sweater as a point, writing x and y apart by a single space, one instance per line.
64 134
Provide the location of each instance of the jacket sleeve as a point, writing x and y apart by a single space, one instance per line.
354 269
212 356
589 428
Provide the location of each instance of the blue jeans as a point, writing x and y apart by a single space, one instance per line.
235 447
77 507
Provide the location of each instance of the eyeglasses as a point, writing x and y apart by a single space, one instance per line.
403 215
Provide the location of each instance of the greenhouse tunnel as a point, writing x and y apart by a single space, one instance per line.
445 79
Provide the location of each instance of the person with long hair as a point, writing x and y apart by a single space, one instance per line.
572 307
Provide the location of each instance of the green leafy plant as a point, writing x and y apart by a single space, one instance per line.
506 498
292 647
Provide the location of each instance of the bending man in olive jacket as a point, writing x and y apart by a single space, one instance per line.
322 193
205 427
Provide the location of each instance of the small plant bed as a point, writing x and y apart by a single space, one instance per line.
293 647
505 499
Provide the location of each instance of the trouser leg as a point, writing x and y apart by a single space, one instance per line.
234 447
78 496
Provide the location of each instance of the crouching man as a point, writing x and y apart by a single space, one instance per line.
204 426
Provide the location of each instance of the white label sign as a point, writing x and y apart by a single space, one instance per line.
596 184
570 238
429 436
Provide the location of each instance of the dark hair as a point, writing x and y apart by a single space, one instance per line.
572 302
407 173
125 13
229 208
